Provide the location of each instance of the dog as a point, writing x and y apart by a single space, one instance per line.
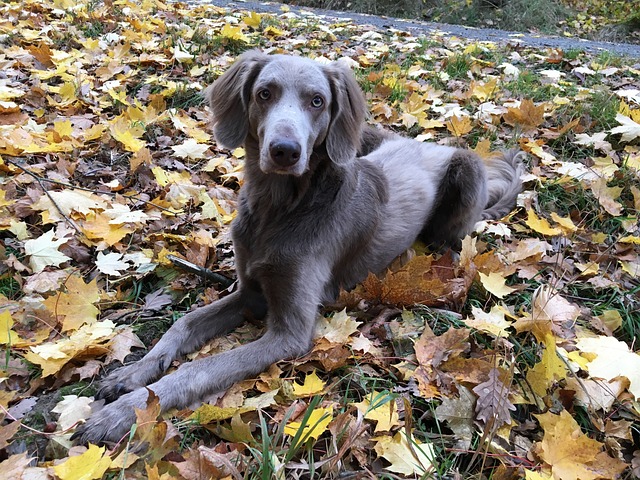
325 201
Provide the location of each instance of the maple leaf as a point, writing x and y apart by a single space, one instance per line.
127 135
459 126
311 386
381 408
90 465
315 425
75 307
629 129
549 370
233 33
190 149
493 406
540 225
88 340
111 263
67 201
121 344
527 116
72 409
406 455
495 284
7 335
570 453
550 312
337 328
492 322
614 359
43 251
607 196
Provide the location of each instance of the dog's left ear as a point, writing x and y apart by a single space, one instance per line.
348 111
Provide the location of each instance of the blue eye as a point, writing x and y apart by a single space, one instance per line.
317 101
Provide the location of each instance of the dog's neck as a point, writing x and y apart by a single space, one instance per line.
285 192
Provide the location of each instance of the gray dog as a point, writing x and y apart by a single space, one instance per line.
325 201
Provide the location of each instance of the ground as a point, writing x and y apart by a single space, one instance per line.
516 359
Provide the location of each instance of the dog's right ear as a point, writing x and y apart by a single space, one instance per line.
229 98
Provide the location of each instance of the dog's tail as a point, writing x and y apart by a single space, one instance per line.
503 183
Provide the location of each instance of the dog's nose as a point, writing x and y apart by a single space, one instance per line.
284 153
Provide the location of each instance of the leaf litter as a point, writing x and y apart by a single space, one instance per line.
517 359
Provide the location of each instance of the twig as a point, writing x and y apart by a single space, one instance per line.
40 180
201 271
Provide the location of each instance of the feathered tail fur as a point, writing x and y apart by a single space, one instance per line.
503 183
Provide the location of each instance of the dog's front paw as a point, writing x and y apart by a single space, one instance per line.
111 424
129 378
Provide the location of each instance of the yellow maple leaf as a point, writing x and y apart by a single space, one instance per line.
252 19
570 453
550 311
64 128
494 283
483 148
540 225
311 386
483 90
7 335
407 455
92 464
459 126
565 222
381 408
75 306
233 33
126 134
101 229
315 425
550 369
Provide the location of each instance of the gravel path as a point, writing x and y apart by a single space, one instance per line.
427 28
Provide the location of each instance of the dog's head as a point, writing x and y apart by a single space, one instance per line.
290 105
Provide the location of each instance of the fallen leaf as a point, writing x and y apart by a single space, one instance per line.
406 455
90 465
312 385
381 408
570 453
614 359
43 251
316 424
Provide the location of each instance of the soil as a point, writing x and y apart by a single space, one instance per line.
419 28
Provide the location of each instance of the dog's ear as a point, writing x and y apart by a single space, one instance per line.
348 111
229 98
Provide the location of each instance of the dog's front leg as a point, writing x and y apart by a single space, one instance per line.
291 320
184 336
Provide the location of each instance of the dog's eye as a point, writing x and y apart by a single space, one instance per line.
264 94
317 101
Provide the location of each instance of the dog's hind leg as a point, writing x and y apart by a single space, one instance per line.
185 336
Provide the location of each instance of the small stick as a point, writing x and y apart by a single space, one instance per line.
201 271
